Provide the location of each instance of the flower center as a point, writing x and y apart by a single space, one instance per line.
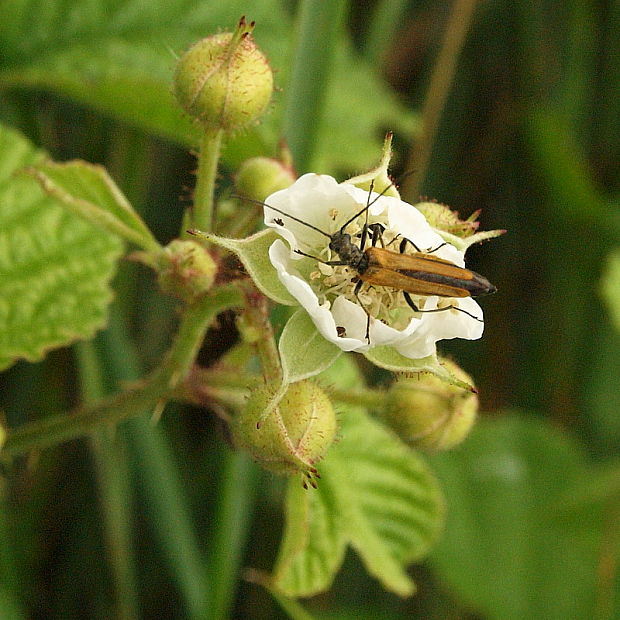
381 302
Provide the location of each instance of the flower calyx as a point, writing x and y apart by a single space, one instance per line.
294 436
428 413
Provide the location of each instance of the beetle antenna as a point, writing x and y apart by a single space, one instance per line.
369 204
292 217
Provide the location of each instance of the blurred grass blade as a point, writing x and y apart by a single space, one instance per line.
319 24
566 174
165 501
232 518
113 484
387 18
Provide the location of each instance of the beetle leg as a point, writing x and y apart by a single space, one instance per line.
412 305
333 263
356 290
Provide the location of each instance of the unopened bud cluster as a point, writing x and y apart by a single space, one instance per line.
185 269
260 177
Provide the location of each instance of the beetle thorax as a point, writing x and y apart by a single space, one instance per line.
347 251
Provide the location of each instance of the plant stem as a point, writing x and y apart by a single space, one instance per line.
257 319
203 209
439 87
156 388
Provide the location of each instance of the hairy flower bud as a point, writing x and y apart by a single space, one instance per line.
224 81
294 436
441 217
259 177
186 269
426 412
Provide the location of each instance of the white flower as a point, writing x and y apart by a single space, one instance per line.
321 207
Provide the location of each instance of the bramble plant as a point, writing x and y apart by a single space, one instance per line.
304 410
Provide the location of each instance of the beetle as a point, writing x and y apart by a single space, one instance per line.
416 273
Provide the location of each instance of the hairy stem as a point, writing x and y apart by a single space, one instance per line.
155 389
203 210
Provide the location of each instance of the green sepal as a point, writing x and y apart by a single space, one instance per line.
390 359
88 191
253 252
54 267
316 354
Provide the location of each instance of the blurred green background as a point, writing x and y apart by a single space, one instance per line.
529 135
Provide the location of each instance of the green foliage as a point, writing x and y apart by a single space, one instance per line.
56 268
374 495
513 546
88 191
118 58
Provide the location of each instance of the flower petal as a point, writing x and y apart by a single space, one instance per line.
321 207
443 326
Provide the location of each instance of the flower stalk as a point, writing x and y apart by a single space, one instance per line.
203 214
256 328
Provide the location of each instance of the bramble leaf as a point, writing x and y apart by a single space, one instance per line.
54 267
516 544
375 494
87 190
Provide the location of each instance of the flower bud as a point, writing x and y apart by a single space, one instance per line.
294 436
186 269
260 177
428 413
441 217
224 81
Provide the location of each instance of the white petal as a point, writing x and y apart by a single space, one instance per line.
320 315
343 313
313 199
443 326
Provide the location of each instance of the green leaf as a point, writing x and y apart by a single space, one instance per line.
314 541
54 267
374 494
88 191
510 550
390 359
253 252
117 57
610 287
9 607
316 354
